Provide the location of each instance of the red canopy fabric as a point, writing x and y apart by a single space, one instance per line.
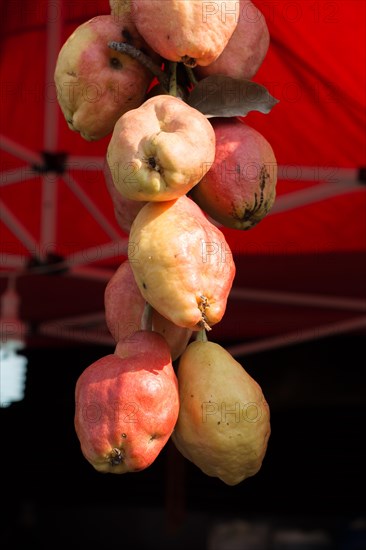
315 66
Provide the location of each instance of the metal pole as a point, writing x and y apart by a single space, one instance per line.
76 162
297 337
18 229
298 299
91 207
50 135
17 175
97 253
313 194
18 151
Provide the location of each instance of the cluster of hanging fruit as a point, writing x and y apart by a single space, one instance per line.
170 82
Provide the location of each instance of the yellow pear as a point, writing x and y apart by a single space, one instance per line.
182 263
194 32
160 150
224 421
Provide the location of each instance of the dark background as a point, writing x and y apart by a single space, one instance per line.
312 478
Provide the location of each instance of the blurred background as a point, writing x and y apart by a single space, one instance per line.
295 317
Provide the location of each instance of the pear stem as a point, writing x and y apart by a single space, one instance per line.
144 59
173 89
201 336
146 319
192 78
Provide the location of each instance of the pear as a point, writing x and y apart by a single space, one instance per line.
96 84
248 46
160 150
182 263
224 420
125 210
124 309
240 188
120 8
191 31
123 304
126 405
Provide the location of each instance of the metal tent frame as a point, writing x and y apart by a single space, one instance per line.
82 328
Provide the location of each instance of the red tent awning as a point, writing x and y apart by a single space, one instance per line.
315 67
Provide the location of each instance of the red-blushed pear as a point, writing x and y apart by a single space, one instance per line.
126 407
246 49
191 31
125 210
123 304
124 308
240 187
177 337
223 425
182 263
160 150
96 84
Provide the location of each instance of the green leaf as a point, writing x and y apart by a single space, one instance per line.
223 96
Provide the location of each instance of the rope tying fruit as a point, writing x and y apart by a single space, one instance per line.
202 306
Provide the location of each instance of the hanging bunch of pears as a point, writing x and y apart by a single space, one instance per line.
171 82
